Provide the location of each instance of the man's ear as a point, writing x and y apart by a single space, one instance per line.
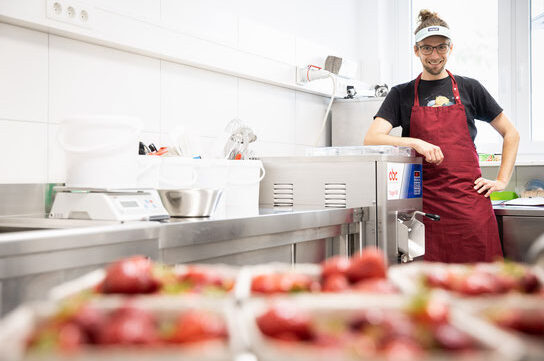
416 50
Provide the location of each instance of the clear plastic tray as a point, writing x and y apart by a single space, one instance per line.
534 345
242 289
17 326
495 344
408 277
92 279
360 150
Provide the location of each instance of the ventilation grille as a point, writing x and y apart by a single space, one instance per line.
283 194
335 195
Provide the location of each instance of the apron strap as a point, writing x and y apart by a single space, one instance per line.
455 88
453 85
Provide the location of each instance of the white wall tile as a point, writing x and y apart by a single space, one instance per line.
335 24
269 110
300 150
310 110
266 41
56 158
26 160
212 147
273 149
201 19
309 52
201 101
23 74
152 138
149 10
90 79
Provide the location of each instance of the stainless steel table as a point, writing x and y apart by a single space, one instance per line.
38 253
519 227
299 234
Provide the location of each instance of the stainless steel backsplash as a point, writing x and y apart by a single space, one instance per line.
25 199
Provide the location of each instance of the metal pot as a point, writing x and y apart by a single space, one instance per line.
190 202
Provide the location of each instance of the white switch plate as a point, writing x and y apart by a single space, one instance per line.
71 12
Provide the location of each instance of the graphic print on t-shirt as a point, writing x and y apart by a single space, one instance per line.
439 101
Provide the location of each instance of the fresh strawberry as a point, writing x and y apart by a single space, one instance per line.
369 264
130 276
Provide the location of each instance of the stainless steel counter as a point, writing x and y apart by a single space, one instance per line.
54 251
529 211
275 234
519 228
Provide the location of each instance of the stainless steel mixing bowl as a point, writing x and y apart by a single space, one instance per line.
190 202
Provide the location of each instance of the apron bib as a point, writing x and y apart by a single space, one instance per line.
467 230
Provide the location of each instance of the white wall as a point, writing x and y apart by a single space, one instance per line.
44 78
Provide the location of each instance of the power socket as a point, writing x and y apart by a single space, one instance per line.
71 12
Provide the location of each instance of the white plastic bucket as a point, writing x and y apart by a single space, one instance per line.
242 191
148 171
177 172
100 150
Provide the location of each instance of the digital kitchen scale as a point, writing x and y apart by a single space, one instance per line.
108 204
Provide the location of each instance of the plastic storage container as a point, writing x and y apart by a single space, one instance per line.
149 167
177 172
242 188
100 151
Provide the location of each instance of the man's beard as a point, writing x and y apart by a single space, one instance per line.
434 72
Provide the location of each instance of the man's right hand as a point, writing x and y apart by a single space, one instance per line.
431 152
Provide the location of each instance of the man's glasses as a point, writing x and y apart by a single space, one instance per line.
428 50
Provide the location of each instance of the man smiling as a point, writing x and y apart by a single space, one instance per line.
437 112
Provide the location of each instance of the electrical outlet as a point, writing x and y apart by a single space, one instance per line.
71 12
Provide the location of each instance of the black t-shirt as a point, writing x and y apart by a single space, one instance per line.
479 104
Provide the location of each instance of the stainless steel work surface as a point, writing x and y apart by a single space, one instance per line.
24 223
186 231
47 235
48 240
528 211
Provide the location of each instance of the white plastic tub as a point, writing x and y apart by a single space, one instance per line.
149 167
242 190
177 172
101 150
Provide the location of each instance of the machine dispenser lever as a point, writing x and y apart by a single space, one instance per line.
409 215
434 217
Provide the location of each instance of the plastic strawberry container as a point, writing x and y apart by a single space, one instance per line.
90 283
19 325
335 310
520 316
312 274
411 278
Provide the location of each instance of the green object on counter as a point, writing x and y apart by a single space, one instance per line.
503 196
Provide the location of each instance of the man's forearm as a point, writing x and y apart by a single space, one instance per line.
509 153
386 139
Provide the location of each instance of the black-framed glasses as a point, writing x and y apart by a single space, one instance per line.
428 50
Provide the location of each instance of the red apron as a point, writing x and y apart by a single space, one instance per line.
467 230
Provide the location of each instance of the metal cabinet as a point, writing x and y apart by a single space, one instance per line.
518 234
519 228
